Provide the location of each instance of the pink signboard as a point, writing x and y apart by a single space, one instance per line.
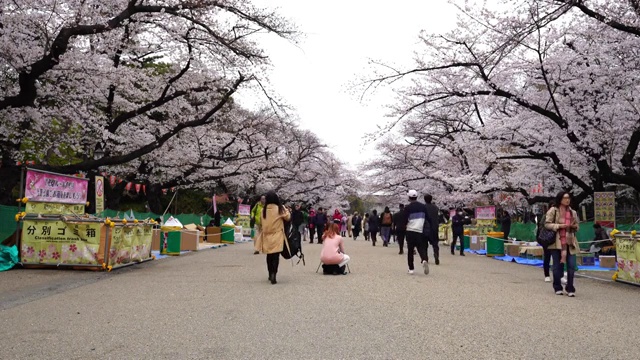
55 188
486 213
244 209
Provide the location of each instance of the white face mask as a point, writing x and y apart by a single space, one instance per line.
460 213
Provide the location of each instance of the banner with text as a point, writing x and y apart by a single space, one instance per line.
244 209
605 209
99 194
54 208
486 212
59 242
55 188
628 254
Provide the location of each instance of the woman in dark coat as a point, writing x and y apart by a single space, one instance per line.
374 226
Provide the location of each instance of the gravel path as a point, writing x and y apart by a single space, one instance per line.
218 304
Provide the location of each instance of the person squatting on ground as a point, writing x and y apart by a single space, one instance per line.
386 221
564 221
365 224
457 228
400 228
256 218
333 247
319 222
272 237
374 226
433 213
417 227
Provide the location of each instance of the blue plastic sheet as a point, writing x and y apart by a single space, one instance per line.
8 257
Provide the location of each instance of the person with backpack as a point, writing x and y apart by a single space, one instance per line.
374 226
333 248
271 239
386 220
417 227
400 228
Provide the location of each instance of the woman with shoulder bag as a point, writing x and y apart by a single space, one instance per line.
564 221
546 263
271 239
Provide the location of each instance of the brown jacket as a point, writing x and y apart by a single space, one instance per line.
553 222
272 236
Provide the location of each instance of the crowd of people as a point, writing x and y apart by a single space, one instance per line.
416 223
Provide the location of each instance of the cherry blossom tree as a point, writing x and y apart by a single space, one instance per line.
129 76
517 94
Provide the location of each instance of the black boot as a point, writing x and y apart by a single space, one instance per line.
437 260
270 276
273 279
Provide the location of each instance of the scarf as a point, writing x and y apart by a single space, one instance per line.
565 218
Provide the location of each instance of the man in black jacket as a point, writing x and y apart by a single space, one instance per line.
457 228
319 222
297 219
417 227
433 238
400 227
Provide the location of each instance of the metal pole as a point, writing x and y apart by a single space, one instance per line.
17 237
107 246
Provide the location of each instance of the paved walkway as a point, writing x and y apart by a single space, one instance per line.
218 304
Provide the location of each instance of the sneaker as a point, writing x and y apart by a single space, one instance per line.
571 294
400 253
547 279
425 266
462 254
559 292
256 252
453 253
410 272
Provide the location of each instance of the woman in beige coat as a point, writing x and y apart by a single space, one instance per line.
564 221
272 237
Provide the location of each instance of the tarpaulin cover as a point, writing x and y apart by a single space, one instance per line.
8 257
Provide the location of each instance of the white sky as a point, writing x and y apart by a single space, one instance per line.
340 38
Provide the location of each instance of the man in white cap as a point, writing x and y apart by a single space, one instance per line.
417 228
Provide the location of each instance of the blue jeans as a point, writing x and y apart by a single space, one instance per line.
558 270
385 232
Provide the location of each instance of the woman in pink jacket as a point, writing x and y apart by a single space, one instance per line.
333 247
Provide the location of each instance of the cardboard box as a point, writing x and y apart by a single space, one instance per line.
512 250
476 242
155 240
213 234
586 259
607 261
191 227
531 252
189 240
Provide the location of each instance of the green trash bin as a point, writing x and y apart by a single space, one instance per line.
495 244
173 242
228 233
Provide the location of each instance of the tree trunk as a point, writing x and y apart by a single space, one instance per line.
9 182
154 196
113 195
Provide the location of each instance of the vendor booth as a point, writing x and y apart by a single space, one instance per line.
56 232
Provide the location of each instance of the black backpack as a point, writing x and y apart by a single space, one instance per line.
292 244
